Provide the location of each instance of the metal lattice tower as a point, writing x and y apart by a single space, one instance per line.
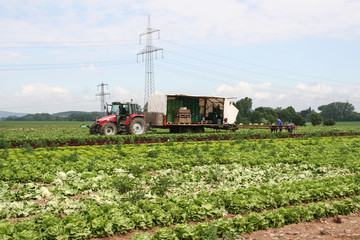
102 96
149 58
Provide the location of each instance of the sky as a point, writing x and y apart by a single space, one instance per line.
280 53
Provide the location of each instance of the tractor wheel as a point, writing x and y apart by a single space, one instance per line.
92 128
137 126
108 129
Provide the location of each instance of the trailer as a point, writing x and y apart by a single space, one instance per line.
188 114
179 113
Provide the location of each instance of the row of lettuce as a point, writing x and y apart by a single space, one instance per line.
97 191
53 226
98 219
79 136
123 186
42 164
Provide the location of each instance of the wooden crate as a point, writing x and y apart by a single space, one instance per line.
182 118
182 111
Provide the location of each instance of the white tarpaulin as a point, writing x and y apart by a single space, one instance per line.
230 111
157 103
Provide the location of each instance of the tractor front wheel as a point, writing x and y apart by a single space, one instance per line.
108 129
93 128
137 126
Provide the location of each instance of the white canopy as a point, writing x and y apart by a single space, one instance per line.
157 103
230 111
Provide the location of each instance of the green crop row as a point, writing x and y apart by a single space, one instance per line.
54 136
27 164
159 211
165 183
106 219
96 191
230 228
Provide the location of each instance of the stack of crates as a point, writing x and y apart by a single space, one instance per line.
182 116
214 119
193 105
171 106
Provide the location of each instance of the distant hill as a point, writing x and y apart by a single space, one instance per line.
4 114
61 116
68 113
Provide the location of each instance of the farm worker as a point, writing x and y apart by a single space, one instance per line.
291 127
280 123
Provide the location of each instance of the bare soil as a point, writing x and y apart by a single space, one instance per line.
339 228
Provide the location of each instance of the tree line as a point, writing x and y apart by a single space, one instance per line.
328 115
77 116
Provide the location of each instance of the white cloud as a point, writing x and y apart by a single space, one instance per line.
262 95
259 91
314 90
300 97
280 97
229 21
125 95
41 90
39 97
87 67
121 91
240 22
213 22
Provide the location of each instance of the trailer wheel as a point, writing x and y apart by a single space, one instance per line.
174 130
108 129
137 126
187 130
199 129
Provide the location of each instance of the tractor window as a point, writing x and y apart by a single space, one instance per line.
115 109
125 109
133 109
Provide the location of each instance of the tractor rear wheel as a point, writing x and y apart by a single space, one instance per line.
108 129
137 126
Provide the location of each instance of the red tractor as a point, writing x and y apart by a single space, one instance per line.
123 118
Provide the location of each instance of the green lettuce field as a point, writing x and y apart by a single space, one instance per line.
192 189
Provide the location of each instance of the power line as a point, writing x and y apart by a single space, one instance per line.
237 69
52 47
49 105
257 65
210 79
66 42
50 66
73 63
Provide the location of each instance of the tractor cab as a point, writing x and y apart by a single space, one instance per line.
122 109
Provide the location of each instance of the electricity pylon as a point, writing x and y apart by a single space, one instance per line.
102 96
149 58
